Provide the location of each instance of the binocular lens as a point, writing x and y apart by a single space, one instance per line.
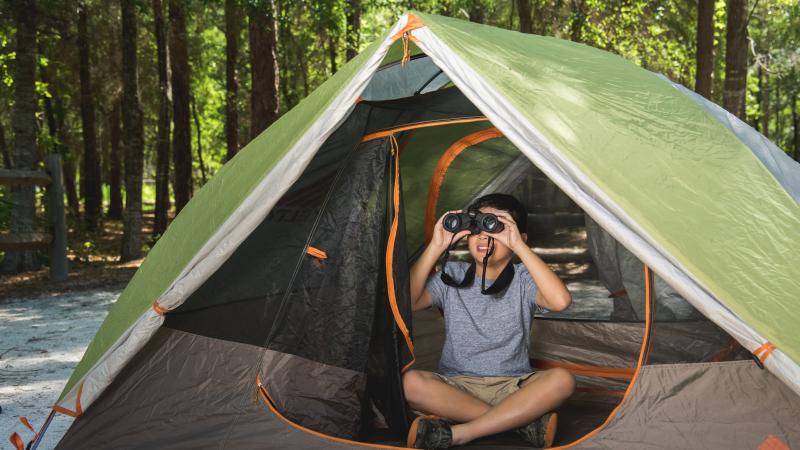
452 223
490 223
474 221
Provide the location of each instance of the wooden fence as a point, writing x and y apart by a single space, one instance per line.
55 238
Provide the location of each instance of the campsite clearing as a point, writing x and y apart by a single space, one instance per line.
43 339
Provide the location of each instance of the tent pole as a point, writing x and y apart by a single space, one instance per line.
38 437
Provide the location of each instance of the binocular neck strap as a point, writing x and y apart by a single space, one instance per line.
469 276
488 254
502 281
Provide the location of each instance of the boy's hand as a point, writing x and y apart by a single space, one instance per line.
441 238
510 236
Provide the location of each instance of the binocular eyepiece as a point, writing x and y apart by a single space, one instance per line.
472 220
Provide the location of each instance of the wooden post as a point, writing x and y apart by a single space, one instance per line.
56 219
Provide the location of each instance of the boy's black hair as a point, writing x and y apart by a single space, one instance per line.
507 203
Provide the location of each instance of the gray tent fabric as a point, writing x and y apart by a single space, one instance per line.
222 408
781 166
620 269
703 406
306 391
203 382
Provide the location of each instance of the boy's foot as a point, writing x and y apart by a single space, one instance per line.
430 432
541 432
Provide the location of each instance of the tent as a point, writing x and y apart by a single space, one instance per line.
274 311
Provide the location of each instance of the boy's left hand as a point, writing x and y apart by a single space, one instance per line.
510 236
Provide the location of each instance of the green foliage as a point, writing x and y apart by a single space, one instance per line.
312 38
775 34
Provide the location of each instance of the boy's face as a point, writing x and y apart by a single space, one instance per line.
479 243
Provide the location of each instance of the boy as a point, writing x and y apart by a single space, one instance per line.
485 383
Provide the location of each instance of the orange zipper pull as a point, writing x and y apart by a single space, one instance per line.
406 51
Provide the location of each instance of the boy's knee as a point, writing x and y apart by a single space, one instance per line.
562 381
414 385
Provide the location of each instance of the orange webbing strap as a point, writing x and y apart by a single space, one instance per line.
27 424
414 126
78 409
623 373
639 362
406 53
412 24
405 33
159 310
764 351
262 391
773 443
441 169
317 253
16 441
390 287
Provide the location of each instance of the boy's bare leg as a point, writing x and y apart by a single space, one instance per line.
426 392
537 396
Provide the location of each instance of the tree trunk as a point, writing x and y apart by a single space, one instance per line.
4 148
91 190
104 147
705 48
199 140
69 157
735 58
332 52
232 26
47 102
477 12
525 18
23 122
763 100
55 117
115 164
70 187
578 20
164 120
353 28
134 137
263 66
181 133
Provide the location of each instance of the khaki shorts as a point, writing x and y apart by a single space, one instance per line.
491 390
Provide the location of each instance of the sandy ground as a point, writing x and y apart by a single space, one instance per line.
41 341
43 338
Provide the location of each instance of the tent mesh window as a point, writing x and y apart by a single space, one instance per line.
332 311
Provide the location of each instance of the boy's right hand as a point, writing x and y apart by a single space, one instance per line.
442 238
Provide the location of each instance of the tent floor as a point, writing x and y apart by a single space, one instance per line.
577 417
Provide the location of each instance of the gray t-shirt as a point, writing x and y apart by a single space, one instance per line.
485 335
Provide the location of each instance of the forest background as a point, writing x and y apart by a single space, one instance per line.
145 100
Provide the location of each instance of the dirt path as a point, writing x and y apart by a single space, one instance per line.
41 341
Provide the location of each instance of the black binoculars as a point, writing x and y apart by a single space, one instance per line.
472 220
